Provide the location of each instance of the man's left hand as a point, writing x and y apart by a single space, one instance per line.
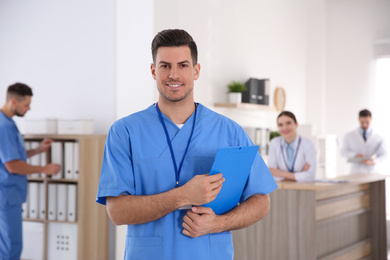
45 145
200 221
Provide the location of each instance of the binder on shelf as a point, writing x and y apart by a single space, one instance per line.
68 164
36 159
42 201
76 160
257 91
27 146
52 202
57 157
61 202
25 209
72 202
33 196
43 162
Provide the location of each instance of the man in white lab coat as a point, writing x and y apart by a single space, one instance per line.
363 147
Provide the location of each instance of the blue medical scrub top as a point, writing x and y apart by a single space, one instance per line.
13 187
137 161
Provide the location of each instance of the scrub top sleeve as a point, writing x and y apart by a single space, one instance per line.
116 176
260 180
9 145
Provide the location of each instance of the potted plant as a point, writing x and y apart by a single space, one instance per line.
273 134
235 92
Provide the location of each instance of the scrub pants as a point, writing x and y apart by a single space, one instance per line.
11 241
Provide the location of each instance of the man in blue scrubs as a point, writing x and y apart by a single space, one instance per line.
157 161
14 170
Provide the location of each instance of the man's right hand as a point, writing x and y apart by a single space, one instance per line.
51 169
202 189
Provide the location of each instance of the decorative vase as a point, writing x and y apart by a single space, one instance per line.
235 97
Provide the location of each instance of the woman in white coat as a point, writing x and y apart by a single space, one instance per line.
291 157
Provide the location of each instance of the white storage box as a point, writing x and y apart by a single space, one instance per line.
62 241
75 126
40 126
33 240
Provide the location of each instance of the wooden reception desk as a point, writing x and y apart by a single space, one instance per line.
320 221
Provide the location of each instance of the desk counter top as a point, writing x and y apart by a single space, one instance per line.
347 180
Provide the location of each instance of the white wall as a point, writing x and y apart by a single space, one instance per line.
64 50
316 65
242 39
135 85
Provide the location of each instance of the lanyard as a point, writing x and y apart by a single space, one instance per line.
295 156
177 172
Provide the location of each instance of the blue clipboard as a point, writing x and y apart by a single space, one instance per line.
235 164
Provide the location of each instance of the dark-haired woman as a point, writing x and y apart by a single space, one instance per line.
291 157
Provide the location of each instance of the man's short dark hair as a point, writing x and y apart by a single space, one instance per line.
19 91
174 38
365 113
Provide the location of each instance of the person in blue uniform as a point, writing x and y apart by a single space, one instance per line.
14 170
157 161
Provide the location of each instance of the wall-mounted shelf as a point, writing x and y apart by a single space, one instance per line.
246 106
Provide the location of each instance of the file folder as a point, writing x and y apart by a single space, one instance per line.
43 162
42 201
72 202
56 157
68 164
52 202
61 202
360 159
25 209
76 160
235 164
27 146
36 159
33 199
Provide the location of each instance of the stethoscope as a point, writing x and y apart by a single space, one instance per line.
284 156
